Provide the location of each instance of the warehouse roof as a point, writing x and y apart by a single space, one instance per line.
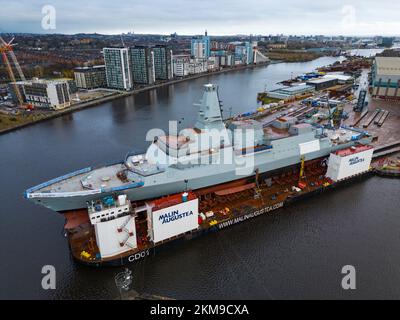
320 80
90 68
294 89
387 65
42 81
340 77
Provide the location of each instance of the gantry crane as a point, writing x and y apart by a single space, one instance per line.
6 49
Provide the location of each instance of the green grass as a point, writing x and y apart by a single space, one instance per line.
267 100
10 121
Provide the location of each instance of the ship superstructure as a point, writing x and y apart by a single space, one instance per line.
211 153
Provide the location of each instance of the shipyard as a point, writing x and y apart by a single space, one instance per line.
119 227
210 152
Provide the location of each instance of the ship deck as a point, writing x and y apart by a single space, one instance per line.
341 135
104 177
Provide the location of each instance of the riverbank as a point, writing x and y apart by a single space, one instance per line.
293 55
118 94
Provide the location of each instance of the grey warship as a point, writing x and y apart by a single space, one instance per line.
213 152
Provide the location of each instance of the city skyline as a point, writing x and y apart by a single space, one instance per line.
297 17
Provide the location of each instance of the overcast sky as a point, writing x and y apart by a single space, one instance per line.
219 17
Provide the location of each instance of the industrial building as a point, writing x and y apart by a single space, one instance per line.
385 41
288 93
322 83
142 64
118 69
163 69
341 78
52 94
90 77
386 78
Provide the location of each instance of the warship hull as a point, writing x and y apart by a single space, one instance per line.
196 165
203 179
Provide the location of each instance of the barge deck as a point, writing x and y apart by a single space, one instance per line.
225 208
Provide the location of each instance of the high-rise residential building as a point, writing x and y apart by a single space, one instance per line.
181 65
240 54
90 77
163 69
142 62
52 94
244 53
249 52
200 47
118 71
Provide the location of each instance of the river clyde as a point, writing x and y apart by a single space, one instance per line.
294 252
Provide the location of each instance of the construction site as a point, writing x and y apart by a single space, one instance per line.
11 115
344 103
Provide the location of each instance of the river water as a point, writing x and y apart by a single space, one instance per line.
296 252
366 52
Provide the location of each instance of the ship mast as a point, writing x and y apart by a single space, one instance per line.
209 115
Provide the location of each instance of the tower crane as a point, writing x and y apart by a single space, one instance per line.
6 49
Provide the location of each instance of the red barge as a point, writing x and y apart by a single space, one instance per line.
115 232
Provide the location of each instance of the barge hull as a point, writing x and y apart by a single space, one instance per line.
143 254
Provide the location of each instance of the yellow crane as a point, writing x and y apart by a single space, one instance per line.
302 183
302 158
6 49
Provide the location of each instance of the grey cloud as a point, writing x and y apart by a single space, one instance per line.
192 17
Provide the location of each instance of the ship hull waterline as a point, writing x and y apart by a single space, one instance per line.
143 254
